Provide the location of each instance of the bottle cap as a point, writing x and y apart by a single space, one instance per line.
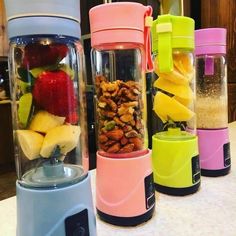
27 17
171 32
210 41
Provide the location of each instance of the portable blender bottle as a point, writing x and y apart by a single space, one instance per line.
175 156
48 95
212 101
120 42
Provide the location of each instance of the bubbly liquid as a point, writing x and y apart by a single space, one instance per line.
211 112
211 86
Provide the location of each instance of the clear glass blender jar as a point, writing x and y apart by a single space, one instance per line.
211 79
49 110
174 98
119 78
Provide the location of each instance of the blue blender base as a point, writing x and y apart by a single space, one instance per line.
64 211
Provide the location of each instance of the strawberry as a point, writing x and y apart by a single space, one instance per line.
38 55
72 118
54 92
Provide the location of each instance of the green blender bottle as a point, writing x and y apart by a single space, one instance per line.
175 156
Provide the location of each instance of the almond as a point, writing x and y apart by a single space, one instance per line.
127 148
110 142
114 148
103 147
124 140
116 134
138 144
102 138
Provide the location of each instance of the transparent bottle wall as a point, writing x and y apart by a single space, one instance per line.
175 95
211 88
49 110
120 86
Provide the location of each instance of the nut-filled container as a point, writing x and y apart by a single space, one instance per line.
49 117
175 152
120 58
212 101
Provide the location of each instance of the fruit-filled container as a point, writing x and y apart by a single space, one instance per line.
48 109
212 101
174 142
46 68
174 66
120 38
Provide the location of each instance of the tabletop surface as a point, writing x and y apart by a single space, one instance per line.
209 212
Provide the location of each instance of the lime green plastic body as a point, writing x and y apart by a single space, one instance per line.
172 162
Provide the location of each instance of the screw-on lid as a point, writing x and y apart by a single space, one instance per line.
180 29
210 41
122 22
45 17
171 32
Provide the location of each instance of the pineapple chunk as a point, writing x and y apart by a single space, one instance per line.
30 143
173 76
64 136
183 62
43 121
166 106
183 101
182 91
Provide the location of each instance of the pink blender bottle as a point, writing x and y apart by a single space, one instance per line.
212 101
120 52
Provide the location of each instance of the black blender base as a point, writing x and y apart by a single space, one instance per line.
126 221
177 191
215 173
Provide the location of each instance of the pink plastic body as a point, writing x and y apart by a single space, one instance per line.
120 189
210 41
211 150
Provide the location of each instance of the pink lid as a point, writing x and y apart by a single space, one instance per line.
210 41
122 22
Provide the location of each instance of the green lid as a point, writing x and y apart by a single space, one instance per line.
171 32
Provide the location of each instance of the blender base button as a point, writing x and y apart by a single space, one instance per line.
77 224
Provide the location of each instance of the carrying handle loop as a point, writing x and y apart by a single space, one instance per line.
147 38
164 32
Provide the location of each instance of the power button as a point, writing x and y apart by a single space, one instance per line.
77 224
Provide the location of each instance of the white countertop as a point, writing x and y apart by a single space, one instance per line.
209 212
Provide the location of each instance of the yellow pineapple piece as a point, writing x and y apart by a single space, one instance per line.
182 91
30 143
183 101
183 62
173 76
166 106
160 112
43 121
64 136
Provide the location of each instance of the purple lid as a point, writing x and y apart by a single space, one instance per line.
210 41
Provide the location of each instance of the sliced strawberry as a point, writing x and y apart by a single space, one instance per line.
54 92
72 118
38 55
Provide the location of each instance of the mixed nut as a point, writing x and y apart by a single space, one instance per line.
119 109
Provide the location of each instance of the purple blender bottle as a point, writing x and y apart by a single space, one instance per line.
212 101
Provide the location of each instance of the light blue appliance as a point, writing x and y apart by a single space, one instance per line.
46 70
